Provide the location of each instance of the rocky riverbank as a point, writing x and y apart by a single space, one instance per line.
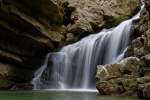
130 77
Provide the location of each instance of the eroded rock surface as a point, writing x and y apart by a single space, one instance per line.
130 77
133 75
87 16
119 78
28 31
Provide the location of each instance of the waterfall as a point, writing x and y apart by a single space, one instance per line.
37 75
74 66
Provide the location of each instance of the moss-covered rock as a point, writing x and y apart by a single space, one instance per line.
135 70
120 78
128 66
144 91
84 17
111 21
132 80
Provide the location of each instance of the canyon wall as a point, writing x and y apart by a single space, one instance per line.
29 30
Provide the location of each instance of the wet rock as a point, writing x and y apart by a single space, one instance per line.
138 47
120 80
143 80
144 91
135 70
22 86
145 65
70 36
132 80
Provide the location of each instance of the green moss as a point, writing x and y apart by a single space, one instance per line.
116 81
91 30
119 1
94 27
64 43
131 67
126 82
133 83
135 11
120 19
126 76
111 21
129 52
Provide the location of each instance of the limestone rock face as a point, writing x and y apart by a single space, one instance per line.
119 78
87 16
118 7
130 77
28 31
141 33
134 76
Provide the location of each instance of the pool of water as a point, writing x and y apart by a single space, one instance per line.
58 95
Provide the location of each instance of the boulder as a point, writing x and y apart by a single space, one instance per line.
144 90
118 79
132 80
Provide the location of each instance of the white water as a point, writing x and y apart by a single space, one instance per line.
37 75
74 66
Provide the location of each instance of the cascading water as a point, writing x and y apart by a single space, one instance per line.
74 66
36 81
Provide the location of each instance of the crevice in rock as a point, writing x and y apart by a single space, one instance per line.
136 34
142 40
68 11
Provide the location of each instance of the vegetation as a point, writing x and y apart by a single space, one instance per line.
111 21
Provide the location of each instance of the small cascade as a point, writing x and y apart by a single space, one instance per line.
37 80
74 66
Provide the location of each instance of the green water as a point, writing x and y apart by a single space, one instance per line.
57 95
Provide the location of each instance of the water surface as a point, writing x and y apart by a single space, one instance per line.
58 95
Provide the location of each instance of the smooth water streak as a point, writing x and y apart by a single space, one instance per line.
36 81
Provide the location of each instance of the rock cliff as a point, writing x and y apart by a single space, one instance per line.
88 16
29 29
130 77
28 32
